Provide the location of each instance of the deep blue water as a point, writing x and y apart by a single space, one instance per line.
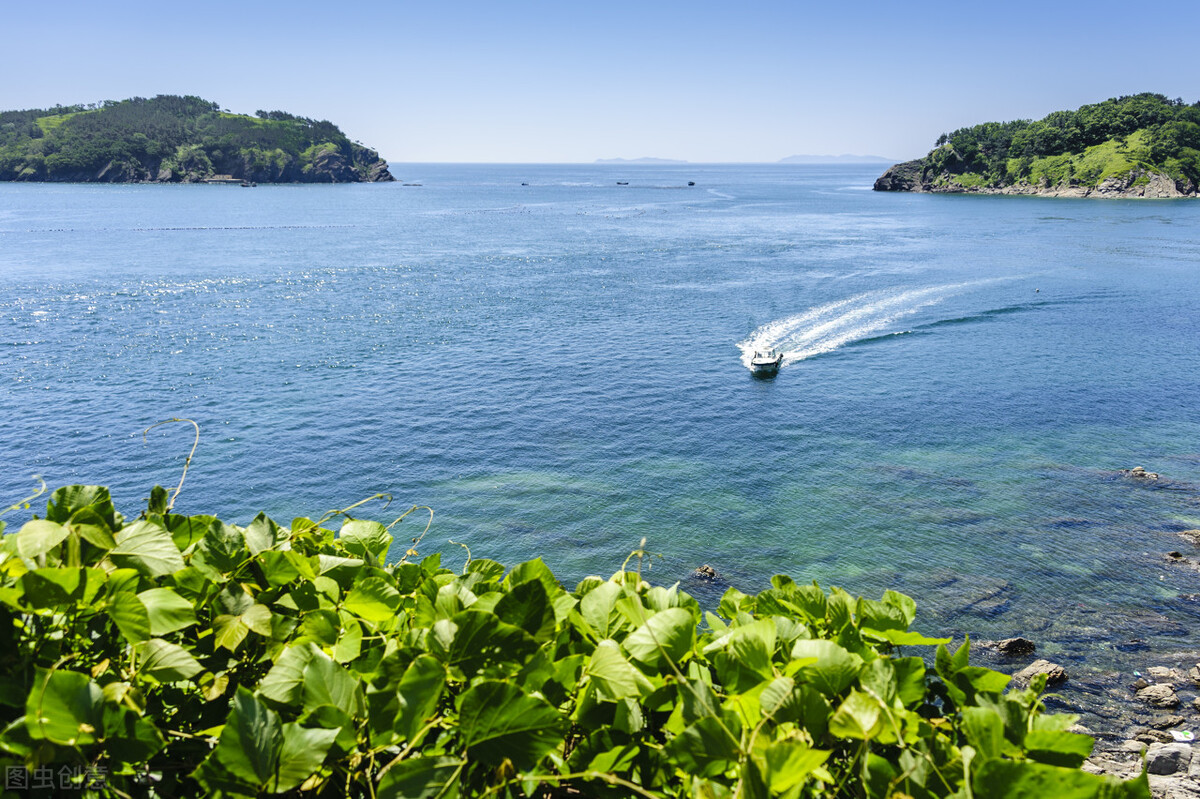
555 369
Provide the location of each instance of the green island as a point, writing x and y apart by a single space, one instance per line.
168 654
172 139
1143 145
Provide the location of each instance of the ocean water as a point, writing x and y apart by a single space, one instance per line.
558 369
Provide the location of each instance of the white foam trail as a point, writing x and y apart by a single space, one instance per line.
826 327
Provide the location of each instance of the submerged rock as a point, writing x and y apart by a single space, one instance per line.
1166 722
706 572
956 594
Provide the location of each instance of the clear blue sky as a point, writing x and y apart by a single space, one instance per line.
519 81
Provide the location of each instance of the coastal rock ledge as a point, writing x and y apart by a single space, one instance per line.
916 176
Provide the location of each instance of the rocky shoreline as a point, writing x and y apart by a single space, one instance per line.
916 176
1150 722
1148 716
329 166
1141 702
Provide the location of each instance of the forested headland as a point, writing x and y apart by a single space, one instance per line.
1143 145
172 139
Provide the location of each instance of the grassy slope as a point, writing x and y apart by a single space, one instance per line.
49 123
1094 165
1113 158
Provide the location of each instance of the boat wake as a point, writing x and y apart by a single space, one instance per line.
827 327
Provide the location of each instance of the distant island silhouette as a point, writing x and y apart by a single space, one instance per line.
639 161
836 159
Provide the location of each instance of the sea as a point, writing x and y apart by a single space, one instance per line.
553 359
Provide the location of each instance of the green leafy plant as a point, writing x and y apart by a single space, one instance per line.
180 655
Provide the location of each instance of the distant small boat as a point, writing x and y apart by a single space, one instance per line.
765 363
691 183
248 184
622 182
524 184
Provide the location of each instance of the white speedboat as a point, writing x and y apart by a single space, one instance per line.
765 363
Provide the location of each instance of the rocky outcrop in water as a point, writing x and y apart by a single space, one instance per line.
1159 695
1016 647
1055 673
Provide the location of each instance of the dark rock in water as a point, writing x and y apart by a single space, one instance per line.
1140 473
1191 535
707 572
1194 674
1139 684
1175 555
1055 673
1159 696
1166 722
1168 758
902 177
1016 646
377 172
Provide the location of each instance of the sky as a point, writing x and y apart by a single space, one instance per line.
551 82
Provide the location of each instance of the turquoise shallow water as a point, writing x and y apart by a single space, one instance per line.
555 368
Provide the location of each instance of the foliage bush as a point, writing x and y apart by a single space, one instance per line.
180 655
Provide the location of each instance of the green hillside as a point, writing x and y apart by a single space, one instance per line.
177 139
1117 146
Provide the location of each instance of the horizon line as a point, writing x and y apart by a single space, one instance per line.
643 164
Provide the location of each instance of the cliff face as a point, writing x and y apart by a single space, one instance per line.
170 139
907 176
327 165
